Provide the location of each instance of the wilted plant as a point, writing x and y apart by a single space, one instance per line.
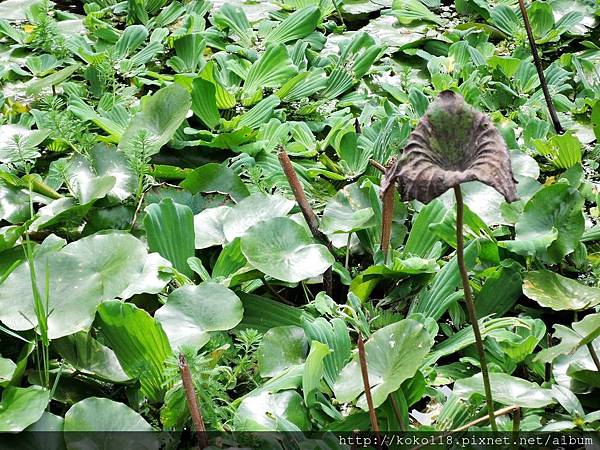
452 144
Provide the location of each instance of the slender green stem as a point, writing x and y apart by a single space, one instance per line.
140 186
590 348
540 70
548 365
460 257
40 306
347 260
339 11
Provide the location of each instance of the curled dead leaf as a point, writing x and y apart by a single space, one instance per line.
452 144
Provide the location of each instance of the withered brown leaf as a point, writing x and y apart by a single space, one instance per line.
452 144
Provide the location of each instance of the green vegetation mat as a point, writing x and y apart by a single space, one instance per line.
239 215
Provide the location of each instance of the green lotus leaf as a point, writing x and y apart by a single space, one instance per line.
103 415
552 290
551 225
252 210
192 312
158 120
265 411
280 349
394 353
506 390
20 407
349 210
82 274
284 249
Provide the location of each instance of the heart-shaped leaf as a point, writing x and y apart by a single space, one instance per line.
252 210
506 389
264 411
552 290
208 226
158 120
214 177
87 422
551 225
83 274
349 210
20 407
280 349
284 249
393 354
192 312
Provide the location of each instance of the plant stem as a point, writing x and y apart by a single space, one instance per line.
594 355
367 386
40 307
190 396
540 70
137 211
500 412
377 165
307 212
397 412
347 260
339 11
387 214
516 425
460 257
548 365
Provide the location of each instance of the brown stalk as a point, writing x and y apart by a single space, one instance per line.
397 413
307 212
387 214
387 211
460 249
540 70
365 376
192 402
516 425
377 165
